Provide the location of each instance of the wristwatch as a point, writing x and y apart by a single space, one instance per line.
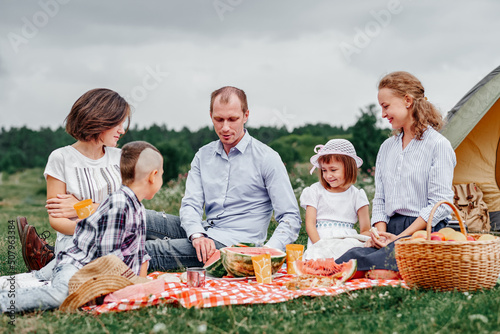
196 236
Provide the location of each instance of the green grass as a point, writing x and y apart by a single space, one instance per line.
378 310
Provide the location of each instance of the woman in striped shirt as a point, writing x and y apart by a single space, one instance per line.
414 170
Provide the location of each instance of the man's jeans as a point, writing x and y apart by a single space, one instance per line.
42 298
168 244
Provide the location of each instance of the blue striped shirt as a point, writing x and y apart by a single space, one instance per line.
411 181
117 227
239 192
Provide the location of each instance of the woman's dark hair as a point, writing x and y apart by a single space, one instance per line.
96 111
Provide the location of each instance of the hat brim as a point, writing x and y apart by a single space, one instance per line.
314 159
93 288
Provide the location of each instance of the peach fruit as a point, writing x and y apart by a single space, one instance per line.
485 237
446 231
456 236
438 236
419 234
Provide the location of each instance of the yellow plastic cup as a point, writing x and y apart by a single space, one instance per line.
262 267
294 252
84 208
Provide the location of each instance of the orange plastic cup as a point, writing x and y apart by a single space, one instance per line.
84 208
262 267
294 252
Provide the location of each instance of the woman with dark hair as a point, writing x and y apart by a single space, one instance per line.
87 169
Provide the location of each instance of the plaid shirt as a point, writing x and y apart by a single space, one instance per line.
117 227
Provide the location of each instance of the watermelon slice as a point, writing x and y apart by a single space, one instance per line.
326 267
214 265
244 244
238 260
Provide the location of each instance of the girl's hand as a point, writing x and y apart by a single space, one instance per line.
374 233
384 239
369 243
62 206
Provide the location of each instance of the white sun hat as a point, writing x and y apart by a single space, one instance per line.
335 146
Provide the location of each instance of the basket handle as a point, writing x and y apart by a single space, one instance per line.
455 210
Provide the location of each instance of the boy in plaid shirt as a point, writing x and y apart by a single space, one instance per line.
117 227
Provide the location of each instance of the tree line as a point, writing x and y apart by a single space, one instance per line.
26 148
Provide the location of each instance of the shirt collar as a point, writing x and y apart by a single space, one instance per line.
130 193
241 146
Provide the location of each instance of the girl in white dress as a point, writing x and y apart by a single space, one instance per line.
334 205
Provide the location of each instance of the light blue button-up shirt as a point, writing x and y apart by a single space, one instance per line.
411 181
239 191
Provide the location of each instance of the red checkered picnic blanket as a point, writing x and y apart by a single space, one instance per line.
219 292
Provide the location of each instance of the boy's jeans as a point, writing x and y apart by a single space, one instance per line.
43 298
167 243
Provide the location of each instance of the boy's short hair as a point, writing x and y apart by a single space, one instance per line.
350 168
128 160
96 111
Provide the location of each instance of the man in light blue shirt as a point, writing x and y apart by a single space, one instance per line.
238 182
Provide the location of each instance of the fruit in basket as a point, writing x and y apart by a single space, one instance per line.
419 234
456 236
485 237
438 236
326 268
238 260
470 238
446 231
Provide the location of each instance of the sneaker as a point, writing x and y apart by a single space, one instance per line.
38 252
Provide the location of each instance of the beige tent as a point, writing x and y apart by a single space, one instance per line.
473 128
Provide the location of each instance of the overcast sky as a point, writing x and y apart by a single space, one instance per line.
298 61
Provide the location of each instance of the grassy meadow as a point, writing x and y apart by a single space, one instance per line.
379 310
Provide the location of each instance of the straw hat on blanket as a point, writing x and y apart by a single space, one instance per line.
98 278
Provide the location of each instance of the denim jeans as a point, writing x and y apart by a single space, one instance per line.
42 298
168 244
45 274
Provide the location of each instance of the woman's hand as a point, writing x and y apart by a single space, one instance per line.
369 243
62 206
384 239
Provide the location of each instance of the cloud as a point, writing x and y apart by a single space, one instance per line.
287 56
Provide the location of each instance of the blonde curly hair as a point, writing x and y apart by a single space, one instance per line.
422 111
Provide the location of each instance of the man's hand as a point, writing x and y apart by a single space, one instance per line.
205 248
62 206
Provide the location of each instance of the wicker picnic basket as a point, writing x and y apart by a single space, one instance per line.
448 265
